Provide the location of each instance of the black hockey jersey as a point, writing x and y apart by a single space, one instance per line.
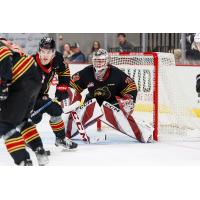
5 63
13 65
117 83
55 67
21 71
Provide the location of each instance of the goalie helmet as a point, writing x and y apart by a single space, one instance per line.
100 62
47 43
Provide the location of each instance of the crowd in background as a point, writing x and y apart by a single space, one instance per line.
192 50
73 54
185 47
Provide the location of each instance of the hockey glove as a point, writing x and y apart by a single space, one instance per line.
61 92
198 83
4 90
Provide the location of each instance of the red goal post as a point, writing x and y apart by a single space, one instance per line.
131 58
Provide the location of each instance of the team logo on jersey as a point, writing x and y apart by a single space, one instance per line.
102 92
76 77
91 84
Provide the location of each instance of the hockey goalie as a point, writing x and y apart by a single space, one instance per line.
111 98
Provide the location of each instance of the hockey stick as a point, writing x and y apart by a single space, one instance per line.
68 108
19 127
80 127
92 139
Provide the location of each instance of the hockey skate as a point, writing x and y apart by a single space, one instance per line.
66 143
42 156
26 162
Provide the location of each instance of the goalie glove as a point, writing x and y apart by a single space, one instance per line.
61 92
126 104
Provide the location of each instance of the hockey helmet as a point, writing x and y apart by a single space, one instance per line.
47 43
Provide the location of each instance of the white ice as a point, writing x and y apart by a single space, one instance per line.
118 150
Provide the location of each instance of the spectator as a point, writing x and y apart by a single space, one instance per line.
78 56
189 40
124 45
194 52
61 44
178 56
67 53
95 47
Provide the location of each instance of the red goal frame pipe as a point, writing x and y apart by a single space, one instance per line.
155 82
155 93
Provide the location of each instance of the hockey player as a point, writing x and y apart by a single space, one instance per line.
51 63
20 83
106 82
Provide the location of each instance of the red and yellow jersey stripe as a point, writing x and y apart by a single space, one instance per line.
129 88
21 67
66 72
29 134
57 126
15 144
75 86
4 52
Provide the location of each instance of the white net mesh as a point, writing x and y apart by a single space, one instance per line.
176 114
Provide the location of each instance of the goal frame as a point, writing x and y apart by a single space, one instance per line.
155 84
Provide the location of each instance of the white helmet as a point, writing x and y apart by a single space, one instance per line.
100 60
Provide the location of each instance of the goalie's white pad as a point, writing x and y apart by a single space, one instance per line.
147 130
115 118
88 114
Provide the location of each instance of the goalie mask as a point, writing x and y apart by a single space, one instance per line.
100 62
46 50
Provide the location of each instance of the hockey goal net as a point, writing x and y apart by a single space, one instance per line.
162 100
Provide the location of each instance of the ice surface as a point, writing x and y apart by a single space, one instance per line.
117 150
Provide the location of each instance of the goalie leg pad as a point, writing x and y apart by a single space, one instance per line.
113 116
88 113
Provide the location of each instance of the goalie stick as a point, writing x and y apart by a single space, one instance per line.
67 108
